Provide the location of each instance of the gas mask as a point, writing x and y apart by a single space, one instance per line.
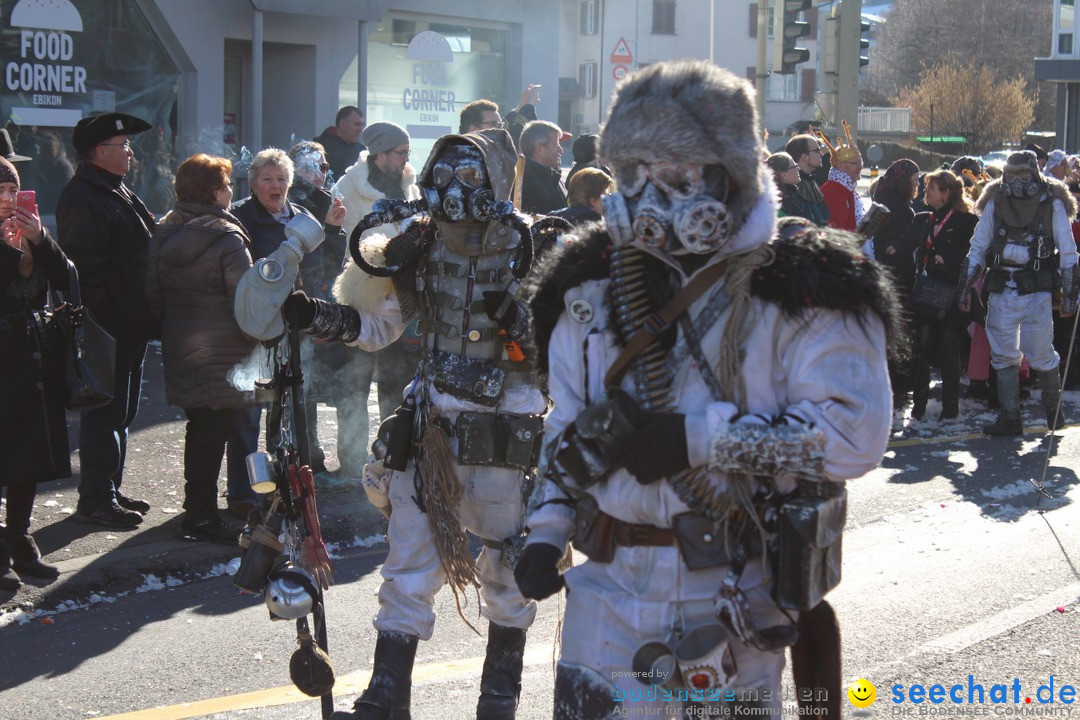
1021 185
460 189
677 208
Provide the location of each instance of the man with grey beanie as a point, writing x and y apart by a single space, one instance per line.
381 171
726 360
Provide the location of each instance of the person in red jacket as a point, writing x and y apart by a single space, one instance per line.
840 190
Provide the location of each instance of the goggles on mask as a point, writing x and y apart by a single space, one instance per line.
458 187
468 173
1020 185
672 207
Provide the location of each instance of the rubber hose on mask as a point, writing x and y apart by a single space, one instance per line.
399 210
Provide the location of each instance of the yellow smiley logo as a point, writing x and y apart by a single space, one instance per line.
862 693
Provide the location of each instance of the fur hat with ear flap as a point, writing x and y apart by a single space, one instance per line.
689 112
1020 162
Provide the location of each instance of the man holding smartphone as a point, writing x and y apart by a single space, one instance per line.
105 229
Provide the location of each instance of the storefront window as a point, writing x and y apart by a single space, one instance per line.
62 63
421 74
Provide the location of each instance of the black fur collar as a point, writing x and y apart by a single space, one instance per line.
812 268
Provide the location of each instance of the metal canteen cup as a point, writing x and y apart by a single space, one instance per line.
266 391
261 475
654 664
705 658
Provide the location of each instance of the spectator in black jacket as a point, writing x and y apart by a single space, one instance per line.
342 141
542 191
585 155
105 229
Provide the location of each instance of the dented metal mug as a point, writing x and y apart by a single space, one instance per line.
705 659
262 476
655 664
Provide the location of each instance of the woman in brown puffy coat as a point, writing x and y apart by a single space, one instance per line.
197 257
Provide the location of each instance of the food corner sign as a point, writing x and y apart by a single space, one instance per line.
43 72
430 97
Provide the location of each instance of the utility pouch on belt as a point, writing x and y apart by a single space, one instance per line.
393 442
594 531
1031 281
499 440
704 545
808 553
474 379
995 281
587 452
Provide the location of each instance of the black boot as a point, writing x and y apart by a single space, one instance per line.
1008 388
918 402
387 695
9 579
1050 384
26 558
500 684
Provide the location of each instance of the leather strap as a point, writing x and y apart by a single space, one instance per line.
631 535
661 320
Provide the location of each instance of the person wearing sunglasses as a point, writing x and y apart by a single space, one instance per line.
808 202
382 171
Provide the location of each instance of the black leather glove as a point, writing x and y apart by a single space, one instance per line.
657 449
493 300
298 310
537 571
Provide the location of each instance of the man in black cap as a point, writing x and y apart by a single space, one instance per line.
7 150
105 230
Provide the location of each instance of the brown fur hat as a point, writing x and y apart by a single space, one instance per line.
688 111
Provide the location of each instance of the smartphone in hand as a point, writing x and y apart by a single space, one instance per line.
27 200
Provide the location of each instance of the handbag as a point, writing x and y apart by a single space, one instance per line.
932 297
88 351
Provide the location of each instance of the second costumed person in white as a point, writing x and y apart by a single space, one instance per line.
775 376
476 412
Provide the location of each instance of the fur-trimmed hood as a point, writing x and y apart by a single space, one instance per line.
811 267
994 190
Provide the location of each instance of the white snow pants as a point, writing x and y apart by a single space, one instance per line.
492 508
612 609
1018 324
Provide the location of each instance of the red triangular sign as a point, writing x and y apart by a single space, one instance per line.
621 53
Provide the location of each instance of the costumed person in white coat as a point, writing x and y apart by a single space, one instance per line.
1024 220
676 437
460 450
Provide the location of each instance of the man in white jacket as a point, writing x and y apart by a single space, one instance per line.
774 381
381 171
